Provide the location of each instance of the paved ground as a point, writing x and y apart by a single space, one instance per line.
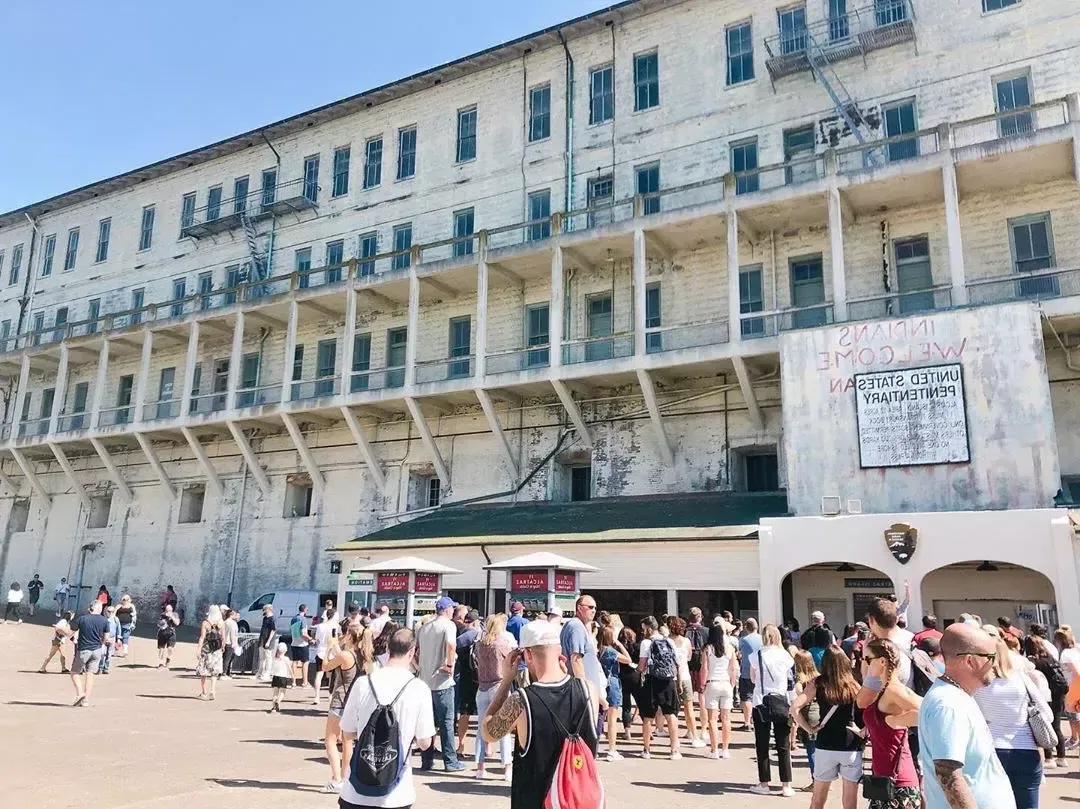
148 743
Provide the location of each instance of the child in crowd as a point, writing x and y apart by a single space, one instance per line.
58 641
280 675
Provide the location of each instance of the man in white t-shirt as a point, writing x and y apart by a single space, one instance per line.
438 655
326 630
381 619
412 708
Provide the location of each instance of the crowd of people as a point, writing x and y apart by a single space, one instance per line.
967 717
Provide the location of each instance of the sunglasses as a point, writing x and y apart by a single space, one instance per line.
991 656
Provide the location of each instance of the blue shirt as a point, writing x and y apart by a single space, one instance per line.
513 626
952 728
748 647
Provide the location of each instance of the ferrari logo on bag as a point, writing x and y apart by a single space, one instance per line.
579 762
901 539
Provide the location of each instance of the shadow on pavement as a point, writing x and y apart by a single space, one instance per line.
318 759
301 744
39 704
471 787
166 696
246 783
699 787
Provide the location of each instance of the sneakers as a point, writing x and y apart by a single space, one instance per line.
1050 764
725 754
1072 744
713 754
613 755
1061 763
646 754
675 755
697 743
455 767
759 789
787 792
508 773
480 775
332 787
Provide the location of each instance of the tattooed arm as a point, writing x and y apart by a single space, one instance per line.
509 716
950 775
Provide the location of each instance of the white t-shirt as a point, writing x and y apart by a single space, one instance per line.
14 596
415 718
378 624
644 648
1004 704
323 633
903 638
1070 663
1051 649
779 671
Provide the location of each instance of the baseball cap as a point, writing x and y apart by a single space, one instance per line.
517 605
539 633
444 603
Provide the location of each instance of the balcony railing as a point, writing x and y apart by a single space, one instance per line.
32 427
114 416
228 214
519 359
379 379
159 411
895 149
204 403
598 349
880 25
803 169
259 395
1027 286
900 304
689 335
460 367
314 388
1012 123
73 421
755 325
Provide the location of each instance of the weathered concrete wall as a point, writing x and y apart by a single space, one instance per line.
1014 462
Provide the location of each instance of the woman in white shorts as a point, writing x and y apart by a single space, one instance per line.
839 744
722 675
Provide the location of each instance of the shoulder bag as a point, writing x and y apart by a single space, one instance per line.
883 787
1042 729
773 707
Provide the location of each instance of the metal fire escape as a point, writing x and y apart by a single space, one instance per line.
845 34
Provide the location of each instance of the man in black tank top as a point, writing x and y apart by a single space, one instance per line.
539 715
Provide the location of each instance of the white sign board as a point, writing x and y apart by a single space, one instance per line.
912 416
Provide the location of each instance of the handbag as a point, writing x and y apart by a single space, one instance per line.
773 707
1042 730
883 787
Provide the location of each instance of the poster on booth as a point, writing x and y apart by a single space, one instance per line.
426 582
423 605
565 604
398 604
530 587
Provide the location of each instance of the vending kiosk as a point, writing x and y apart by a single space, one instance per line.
543 582
408 585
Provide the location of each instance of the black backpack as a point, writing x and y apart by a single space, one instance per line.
698 637
212 641
379 758
1055 678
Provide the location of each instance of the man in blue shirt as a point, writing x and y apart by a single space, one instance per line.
956 750
517 620
749 644
93 631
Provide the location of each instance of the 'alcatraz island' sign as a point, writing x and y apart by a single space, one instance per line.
912 416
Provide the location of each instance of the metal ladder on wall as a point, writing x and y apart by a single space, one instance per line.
824 72
258 257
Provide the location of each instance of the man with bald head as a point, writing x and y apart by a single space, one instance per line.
956 749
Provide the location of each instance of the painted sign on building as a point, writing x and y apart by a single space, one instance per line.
426 583
912 416
529 581
565 582
397 582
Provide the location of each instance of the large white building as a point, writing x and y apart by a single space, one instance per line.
642 255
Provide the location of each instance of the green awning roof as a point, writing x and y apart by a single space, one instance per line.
716 515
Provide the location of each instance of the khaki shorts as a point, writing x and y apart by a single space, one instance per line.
686 691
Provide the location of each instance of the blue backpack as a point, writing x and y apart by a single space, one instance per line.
379 759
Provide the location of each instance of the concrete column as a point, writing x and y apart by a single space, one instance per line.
836 255
290 349
480 339
1072 102
348 339
236 361
769 599
20 396
957 273
557 306
672 601
640 267
734 324
60 389
142 381
413 327
99 383
190 361
1065 581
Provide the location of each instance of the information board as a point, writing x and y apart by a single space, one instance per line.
911 417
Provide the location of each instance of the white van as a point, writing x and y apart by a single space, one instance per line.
285 603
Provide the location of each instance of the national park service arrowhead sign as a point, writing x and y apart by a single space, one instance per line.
901 539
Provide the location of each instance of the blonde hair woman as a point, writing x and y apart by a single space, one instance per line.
772 672
346 661
210 646
1069 660
127 616
491 651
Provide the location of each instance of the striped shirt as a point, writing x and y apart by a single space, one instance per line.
1004 705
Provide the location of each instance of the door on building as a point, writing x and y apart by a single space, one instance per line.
807 290
631 605
913 274
600 324
221 384
396 341
834 609
799 149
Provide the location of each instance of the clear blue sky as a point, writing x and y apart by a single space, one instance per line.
99 88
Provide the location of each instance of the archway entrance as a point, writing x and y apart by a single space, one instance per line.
842 591
990 590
